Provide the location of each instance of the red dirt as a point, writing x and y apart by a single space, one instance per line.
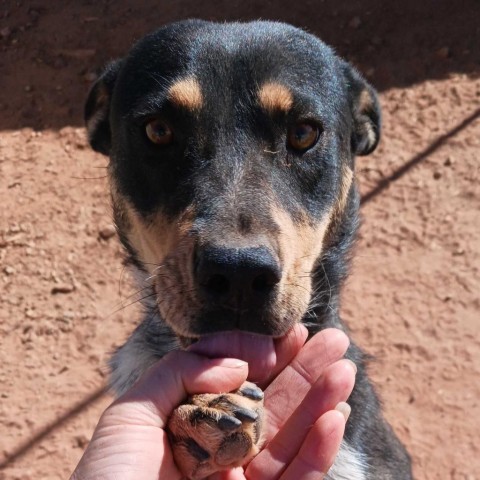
412 300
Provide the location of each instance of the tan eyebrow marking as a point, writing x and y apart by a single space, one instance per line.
186 93
275 97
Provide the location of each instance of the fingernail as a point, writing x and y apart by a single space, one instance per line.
354 365
232 363
344 408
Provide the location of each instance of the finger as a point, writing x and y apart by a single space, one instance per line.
319 449
233 474
286 392
332 388
171 380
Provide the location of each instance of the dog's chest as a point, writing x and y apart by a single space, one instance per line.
349 465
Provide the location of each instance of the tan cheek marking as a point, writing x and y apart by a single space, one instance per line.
153 241
159 241
298 240
156 238
119 210
347 179
300 246
275 97
186 93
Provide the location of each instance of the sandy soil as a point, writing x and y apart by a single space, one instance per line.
412 300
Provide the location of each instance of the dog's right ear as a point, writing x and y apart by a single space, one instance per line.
365 112
97 109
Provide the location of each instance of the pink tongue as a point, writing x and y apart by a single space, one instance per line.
257 350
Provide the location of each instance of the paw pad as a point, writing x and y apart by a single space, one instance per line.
213 432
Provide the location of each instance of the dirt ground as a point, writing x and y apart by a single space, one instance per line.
412 300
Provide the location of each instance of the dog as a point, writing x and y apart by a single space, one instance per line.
232 156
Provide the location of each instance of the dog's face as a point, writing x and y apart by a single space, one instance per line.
231 150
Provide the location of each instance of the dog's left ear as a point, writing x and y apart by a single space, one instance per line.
365 110
97 109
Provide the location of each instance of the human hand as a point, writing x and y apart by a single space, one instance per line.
306 413
130 440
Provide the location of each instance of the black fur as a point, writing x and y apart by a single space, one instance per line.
230 62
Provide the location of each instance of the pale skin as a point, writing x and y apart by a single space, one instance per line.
130 441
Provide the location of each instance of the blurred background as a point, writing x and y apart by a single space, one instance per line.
412 300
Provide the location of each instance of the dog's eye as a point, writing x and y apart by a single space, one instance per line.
158 132
302 136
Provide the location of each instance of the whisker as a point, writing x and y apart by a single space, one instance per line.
123 307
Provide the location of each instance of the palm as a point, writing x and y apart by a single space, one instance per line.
303 433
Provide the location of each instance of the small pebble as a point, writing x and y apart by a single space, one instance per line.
62 288
81 441
107 232
9 270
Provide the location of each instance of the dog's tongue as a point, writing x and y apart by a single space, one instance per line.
257 350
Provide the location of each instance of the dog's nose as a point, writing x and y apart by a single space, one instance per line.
236 275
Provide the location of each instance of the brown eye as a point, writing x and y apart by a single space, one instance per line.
302 136
159 133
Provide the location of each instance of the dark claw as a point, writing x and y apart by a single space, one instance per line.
227 423
252 393
245 415
196 450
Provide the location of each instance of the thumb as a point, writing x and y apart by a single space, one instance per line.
169 381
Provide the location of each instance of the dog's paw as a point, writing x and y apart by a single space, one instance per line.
213 432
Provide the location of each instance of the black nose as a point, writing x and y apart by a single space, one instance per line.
236 275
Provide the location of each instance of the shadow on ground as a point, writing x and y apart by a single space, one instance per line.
49 54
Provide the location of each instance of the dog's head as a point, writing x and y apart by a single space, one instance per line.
231 150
